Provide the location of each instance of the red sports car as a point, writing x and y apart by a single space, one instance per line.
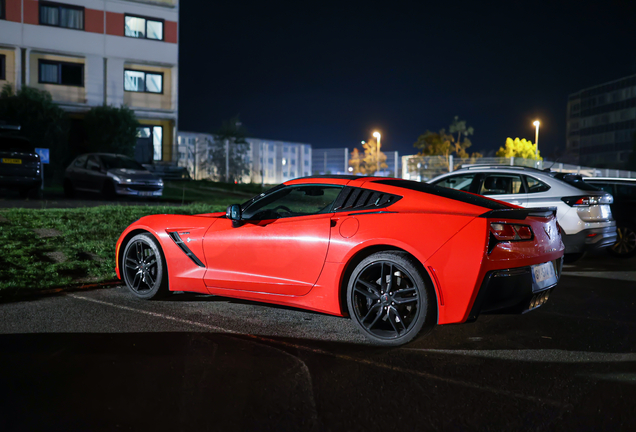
396 256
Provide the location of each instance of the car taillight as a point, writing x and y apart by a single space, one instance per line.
510 232
586 201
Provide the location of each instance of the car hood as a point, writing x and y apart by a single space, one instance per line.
134 175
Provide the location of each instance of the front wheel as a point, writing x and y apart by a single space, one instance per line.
389 300
144 268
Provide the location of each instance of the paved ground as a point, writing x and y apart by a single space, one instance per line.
100 360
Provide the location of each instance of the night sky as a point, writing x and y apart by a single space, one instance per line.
330 74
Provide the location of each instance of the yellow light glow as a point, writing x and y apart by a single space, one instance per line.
536 123
376 134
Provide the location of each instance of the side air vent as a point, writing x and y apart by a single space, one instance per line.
363 199
175 236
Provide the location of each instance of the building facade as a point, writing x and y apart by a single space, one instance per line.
601 123
270 161
89 53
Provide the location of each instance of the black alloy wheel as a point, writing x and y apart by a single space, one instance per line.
388 299
144 268
625 245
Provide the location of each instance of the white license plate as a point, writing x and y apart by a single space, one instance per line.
543 272
145 193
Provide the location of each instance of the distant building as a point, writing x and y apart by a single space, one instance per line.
336 161
89 53
330 161
270 162
601 122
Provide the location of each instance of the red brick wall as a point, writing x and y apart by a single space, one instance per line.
171 31
114 23
13 10
31 12
94 20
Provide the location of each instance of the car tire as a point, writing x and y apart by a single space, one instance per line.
144 269
109 190
69 191
389 300
625 246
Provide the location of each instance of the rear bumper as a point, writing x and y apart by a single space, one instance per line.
590 239
511 291
19 181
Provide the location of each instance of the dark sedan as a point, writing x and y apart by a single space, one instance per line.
111 175
19 166
623 210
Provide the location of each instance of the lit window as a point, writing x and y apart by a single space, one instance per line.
144 28
144 82
61 15
55 72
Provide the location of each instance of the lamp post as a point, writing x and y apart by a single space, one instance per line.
536 137
377 156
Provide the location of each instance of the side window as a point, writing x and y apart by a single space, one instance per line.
80 162
460 182
500 184
535 185
294 201
92 162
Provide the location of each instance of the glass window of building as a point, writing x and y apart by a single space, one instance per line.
143 28
143 82
154 134
56 72
3 67
62 15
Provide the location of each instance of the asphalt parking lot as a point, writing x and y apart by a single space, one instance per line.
100 360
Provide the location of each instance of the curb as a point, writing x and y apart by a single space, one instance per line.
22 295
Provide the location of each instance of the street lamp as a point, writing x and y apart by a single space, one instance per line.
377 156
536 137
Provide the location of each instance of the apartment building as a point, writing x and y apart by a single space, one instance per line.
92 52
270 161
601 123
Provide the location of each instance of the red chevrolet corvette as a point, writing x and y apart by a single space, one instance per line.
396 256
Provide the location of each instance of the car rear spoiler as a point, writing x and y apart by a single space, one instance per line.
520 214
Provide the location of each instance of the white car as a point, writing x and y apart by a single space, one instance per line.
583 211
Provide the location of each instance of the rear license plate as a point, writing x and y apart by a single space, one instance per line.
12 161
543 276
145 193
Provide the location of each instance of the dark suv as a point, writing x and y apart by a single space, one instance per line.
623 210
19 164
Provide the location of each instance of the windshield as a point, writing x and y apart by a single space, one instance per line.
576 181
12 144
120 162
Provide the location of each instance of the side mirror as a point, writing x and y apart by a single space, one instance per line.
233 213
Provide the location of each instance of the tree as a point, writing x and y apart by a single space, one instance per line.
43 122
229 148
111 130
443 143
459 127
366 163
519 148
356 161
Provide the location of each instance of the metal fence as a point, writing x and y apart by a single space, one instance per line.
424 168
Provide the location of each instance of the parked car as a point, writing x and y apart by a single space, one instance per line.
624 211
168 172
111 175
396 256
583 211
20 165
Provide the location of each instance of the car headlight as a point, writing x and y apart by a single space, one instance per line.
160 183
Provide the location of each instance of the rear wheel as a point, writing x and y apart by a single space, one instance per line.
625 245
389 300
144 268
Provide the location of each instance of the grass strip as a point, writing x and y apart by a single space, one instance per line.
87 238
